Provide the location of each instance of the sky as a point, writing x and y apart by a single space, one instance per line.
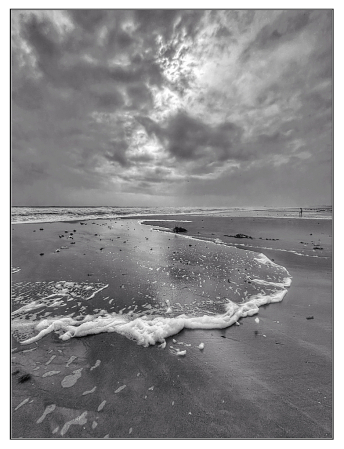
171 107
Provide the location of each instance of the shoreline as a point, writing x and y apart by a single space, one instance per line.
124 217
285 341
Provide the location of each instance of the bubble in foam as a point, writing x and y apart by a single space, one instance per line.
120 389
101 406
50 373
25 401
71 380
95 365
80 420
48 409
180 353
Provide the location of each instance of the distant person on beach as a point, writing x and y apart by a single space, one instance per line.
300 213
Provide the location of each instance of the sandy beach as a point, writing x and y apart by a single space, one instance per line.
266 378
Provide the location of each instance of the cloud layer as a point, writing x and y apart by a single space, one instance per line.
172 107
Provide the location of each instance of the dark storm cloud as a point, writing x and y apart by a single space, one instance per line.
43 39
150 125
61 59
166 22
118 153
188 138
88 19
223 31
108 101
28 94
284 28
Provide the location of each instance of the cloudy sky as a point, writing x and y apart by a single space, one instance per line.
171 107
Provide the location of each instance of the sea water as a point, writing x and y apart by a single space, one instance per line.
53 214
193 285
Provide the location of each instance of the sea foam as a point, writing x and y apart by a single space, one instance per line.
149 331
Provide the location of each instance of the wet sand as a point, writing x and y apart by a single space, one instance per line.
271 379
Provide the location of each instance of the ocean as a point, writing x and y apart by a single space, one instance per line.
53 214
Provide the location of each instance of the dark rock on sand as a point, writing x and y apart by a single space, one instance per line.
239 236
310 317
41 254
179 229
24 378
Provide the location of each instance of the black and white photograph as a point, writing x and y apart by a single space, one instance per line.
171 223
